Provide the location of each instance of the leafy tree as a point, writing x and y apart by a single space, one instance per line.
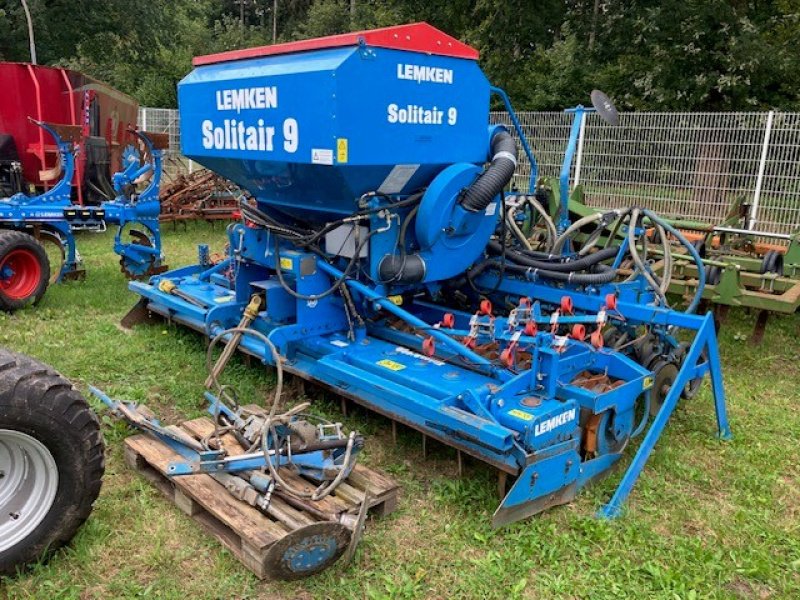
648 54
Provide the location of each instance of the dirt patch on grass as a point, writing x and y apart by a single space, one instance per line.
742 588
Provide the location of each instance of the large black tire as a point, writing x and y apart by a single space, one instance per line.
24 270
40 408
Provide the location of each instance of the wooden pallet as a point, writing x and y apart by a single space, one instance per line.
246 531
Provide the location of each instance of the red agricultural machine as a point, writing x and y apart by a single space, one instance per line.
29 160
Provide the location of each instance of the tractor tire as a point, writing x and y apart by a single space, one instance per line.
51 460
24 270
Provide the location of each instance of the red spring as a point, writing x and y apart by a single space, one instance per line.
597 338
566 305
579 331
507 356
448 320
530 328
429 346
486 307
469 342
611 301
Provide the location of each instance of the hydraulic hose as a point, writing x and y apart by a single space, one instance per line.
637 259
580 264
537 207
701 273
512 225
582 222
497 175
605 274
552 232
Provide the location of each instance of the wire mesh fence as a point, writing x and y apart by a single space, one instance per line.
682 165
167 120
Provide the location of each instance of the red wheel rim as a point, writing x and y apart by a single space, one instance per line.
20 273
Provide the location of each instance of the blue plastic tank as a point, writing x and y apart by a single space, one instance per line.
309 127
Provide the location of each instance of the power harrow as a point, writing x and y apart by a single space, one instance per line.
37 233
380 258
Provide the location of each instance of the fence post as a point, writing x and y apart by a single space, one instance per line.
144 119
579 158
761 167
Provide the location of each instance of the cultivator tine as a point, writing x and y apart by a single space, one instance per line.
759 328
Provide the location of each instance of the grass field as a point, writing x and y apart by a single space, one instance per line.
707 519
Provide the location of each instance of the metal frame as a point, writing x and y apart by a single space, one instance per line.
376 342
53 214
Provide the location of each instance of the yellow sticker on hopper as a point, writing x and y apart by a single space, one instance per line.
341 150
287 264
520 414
391 365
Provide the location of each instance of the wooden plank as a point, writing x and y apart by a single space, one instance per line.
364 478
249 522
329 504
349 494
245 531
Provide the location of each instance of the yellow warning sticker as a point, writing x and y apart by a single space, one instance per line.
286 264
647 383
397 299
391 365
521 414
341 150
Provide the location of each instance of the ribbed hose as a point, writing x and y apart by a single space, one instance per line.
411 268
495 178
580 264
605 273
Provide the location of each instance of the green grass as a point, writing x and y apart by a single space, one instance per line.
706 519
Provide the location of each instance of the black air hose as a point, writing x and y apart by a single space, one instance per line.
402 269
605 273
492 181
580 264
410 268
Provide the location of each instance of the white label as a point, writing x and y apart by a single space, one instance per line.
397 179
553 422
491 209
340 343
322 156
417 355
247 98
420 73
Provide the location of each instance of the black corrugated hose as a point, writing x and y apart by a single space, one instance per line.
494 179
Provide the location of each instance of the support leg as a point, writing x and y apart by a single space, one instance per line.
394 432
717 385
705 338
502 479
